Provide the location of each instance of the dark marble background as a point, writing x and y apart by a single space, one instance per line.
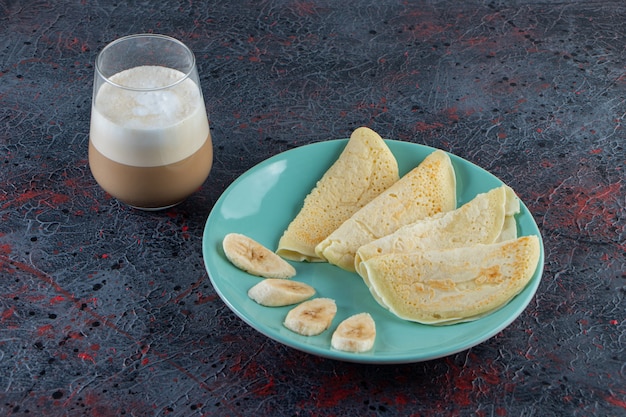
108 311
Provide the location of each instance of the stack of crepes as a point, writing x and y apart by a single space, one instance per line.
421 257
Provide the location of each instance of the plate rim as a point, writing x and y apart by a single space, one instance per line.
329 353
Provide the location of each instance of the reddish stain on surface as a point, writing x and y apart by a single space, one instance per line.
400 401
425 127
40 197
452 114
335 389
471 382
75 44
6 248
266 389
616 401
86 357
44 329
475 41
7 314
303 8
426 29
264 383
57 299
589 206
202 299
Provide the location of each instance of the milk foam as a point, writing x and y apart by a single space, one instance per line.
148 128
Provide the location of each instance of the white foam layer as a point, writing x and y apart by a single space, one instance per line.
148 128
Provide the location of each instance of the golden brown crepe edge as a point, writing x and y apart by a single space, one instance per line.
291 246
530 263
346 260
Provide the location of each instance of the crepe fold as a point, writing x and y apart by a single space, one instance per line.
428 189
452 285
365 168
481 220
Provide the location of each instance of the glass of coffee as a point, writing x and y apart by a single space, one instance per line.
149 140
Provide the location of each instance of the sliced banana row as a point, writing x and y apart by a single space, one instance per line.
310 317
254 258
355 334
273 292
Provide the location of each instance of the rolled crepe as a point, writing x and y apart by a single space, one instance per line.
365 168
481 220
453 285
428 189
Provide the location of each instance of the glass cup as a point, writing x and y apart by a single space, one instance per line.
149 140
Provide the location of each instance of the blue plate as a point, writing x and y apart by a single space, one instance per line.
263 201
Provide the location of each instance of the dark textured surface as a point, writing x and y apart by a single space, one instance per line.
108 311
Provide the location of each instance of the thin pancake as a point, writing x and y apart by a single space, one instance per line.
428 189
365 168
480 220
453 285
509 229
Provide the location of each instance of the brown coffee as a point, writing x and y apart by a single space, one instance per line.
152 187
150 147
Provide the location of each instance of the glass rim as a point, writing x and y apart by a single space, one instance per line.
187 74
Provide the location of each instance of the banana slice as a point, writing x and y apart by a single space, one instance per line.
355 334
311 317
254 258
272 292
